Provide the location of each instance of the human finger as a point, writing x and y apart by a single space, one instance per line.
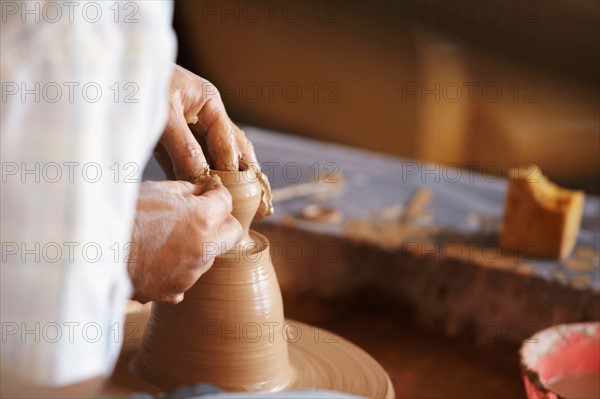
220 136
189 162
246 150
229 233
215 201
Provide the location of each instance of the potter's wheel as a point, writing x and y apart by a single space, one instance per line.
331 362
320 360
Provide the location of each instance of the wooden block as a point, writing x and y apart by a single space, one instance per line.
540 218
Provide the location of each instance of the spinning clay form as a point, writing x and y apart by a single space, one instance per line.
230 329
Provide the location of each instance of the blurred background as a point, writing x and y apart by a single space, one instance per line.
484 85
480 84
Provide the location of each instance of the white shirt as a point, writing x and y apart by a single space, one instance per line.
84 100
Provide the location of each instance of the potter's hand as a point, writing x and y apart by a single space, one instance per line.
199 133
179 229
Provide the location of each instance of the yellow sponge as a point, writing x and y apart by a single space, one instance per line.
540 218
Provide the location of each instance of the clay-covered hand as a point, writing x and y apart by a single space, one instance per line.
179 229
199 135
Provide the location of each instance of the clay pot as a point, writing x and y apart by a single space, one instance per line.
229 329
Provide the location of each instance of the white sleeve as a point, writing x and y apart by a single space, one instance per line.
84 100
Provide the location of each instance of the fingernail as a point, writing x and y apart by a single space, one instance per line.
178 298
201 176
215 180
210 183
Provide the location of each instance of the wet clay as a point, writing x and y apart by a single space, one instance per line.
265 207
230 329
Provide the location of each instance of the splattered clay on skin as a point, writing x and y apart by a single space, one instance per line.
223 151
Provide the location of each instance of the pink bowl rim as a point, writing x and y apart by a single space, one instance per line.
530 355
